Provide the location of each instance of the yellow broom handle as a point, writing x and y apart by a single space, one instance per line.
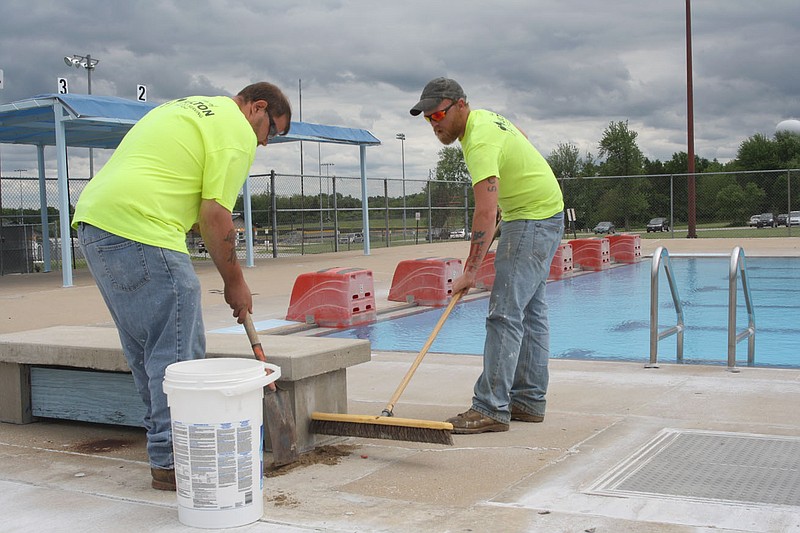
403 384
453 301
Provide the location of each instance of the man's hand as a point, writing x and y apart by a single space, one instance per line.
238 296
464 282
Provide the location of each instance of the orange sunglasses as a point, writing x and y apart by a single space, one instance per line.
438 116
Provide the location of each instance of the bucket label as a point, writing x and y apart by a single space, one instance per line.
214 464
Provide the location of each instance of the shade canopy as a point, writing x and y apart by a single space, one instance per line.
88 121
102 121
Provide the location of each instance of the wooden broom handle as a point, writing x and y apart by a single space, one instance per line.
407 378
255 342
404 383
252 335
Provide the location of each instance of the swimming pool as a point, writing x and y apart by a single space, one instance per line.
605 316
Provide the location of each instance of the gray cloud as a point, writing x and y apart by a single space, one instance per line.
561 70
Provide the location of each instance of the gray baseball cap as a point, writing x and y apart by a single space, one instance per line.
435 91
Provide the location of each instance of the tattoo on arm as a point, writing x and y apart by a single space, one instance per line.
475 253
230 239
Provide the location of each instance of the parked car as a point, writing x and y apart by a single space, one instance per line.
754 221
458 234
349 238
766 220
658 224
794 219
782 220
605 227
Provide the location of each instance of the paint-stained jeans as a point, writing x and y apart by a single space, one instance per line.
517 347
154 298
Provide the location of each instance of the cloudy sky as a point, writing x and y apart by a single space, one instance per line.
560 69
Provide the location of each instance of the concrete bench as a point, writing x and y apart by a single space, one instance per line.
80 373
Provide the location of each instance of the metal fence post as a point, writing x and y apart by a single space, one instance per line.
789 203
466 210
386 210
274 215
672 205
335 216
430 212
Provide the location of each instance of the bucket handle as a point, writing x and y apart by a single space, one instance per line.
232 389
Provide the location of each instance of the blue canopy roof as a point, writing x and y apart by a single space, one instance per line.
87 121
102 121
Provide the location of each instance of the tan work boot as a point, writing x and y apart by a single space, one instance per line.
522 416
474 422
163 479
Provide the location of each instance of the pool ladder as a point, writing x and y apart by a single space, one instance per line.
737 267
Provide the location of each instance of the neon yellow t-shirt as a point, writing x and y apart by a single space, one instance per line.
179 153
493 146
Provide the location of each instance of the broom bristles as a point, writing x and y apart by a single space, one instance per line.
382 427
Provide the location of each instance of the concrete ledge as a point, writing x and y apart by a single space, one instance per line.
98 348
313 370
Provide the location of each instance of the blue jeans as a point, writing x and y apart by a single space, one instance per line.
517 347
154 298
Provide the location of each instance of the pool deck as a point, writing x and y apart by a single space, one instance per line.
70 476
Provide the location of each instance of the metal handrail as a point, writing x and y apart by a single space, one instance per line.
661 256
738 265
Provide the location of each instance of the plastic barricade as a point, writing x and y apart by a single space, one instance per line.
333 298
591 254
625 248
562 264
425 281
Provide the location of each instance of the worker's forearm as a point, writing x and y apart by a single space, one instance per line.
483 225
219 235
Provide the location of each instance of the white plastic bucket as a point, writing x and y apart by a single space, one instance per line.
217 437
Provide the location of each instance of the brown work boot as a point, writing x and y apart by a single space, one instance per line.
522 416
474 422
163 479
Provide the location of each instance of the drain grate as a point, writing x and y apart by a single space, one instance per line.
710 466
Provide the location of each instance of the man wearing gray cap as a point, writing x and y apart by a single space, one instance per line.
508 171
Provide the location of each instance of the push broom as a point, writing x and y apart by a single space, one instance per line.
386 425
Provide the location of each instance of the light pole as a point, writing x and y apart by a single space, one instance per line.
691 187
89 63
402 138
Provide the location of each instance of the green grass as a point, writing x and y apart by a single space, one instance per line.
715 232
704 231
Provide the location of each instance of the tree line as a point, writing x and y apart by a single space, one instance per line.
721 196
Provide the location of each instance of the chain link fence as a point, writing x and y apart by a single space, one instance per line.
25 246
727 204
297 215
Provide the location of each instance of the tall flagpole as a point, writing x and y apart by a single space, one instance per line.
691 190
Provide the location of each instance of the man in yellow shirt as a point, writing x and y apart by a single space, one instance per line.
182 164
506 170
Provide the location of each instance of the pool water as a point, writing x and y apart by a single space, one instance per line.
606 316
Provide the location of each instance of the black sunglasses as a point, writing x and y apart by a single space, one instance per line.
273 129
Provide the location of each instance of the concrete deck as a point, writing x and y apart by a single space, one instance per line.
69 476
